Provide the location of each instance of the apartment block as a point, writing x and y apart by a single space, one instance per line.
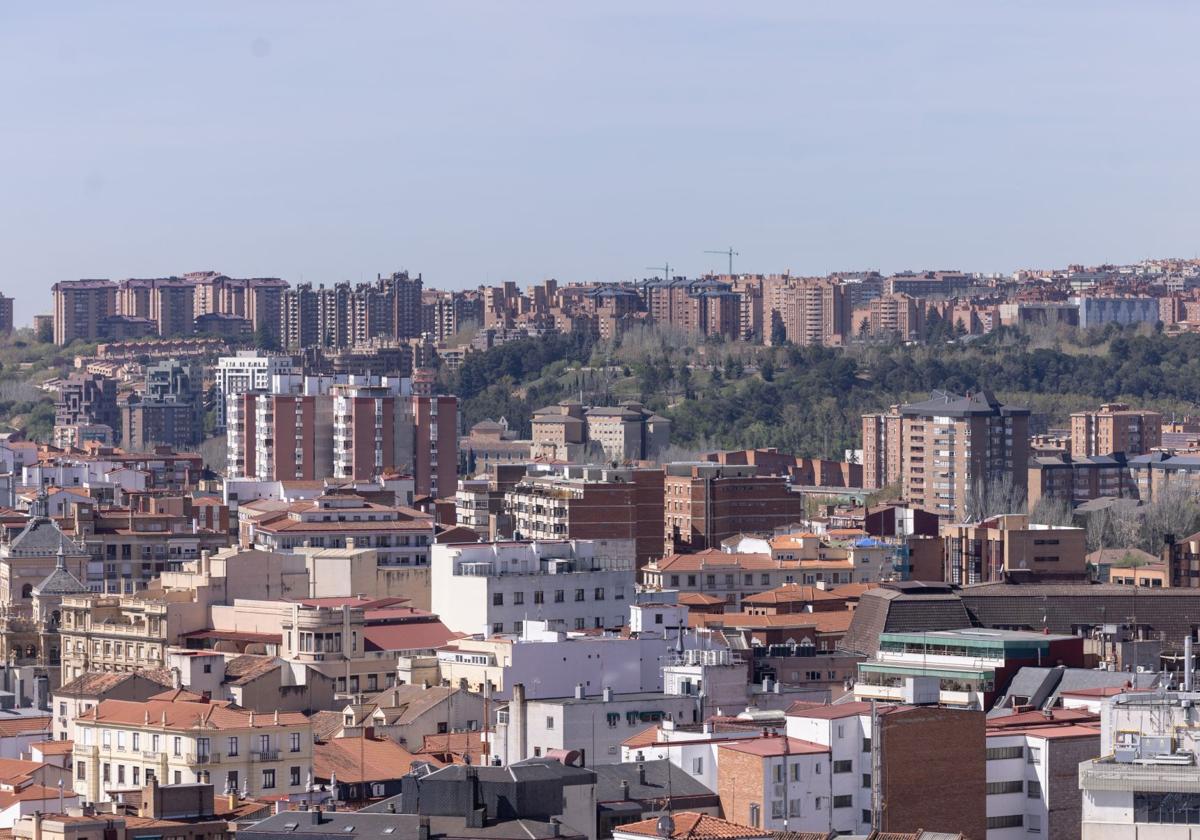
881 440
1115 428
435 445
81 308
1145 782
1009 547
953 450
1072 479
1033 763
493 588
6 314
705 503
589 502
87 399
249 370
178 738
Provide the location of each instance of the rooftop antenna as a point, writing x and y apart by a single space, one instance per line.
728 253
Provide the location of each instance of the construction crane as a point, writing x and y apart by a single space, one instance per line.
729 253
665 268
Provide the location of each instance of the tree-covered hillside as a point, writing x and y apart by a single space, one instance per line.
808 400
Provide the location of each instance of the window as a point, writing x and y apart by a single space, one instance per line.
106 738
1035 756
177 745
698 765
1033 823
497 627
819 801
264 743
777 809
843 766
841 729
755 814
843 801
137 775
580 624
560 595
294 742
795 772
866 780
202 746
294 777
777 773
598 595
497 599
997 788
549 722
578 594
121 740
106 773
518 598
268 779
137 741
233 745
231 780
539 597
1033 789
120 774
1009 821
866 745
1002 753
80 771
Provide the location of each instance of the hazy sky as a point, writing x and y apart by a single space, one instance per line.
481 142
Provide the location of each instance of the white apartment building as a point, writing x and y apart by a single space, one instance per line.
637 662
846 730
1146 784
595 726
1032 772
249 370
493 588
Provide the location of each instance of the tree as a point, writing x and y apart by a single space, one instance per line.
993 496
1051 511
778 330
264 338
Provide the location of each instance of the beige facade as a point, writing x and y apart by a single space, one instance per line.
180 738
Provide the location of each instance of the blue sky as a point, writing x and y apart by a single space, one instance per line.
482 142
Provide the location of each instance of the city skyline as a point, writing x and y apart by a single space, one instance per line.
477 148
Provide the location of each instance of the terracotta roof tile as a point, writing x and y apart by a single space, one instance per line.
692 826
364 759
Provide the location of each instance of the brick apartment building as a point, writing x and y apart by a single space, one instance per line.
589 502
80 309
1115 428
949 447
1079 479
349 428
1010 547
706 503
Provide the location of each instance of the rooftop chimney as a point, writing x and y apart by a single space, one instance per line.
578 691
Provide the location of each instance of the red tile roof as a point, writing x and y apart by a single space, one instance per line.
363 759
692 826
775 746
410 635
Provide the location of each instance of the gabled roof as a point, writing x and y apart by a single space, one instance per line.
364 759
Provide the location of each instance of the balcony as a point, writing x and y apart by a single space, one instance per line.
265 755
204 758
1106 774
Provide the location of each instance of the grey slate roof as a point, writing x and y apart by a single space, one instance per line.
953 405
661 780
